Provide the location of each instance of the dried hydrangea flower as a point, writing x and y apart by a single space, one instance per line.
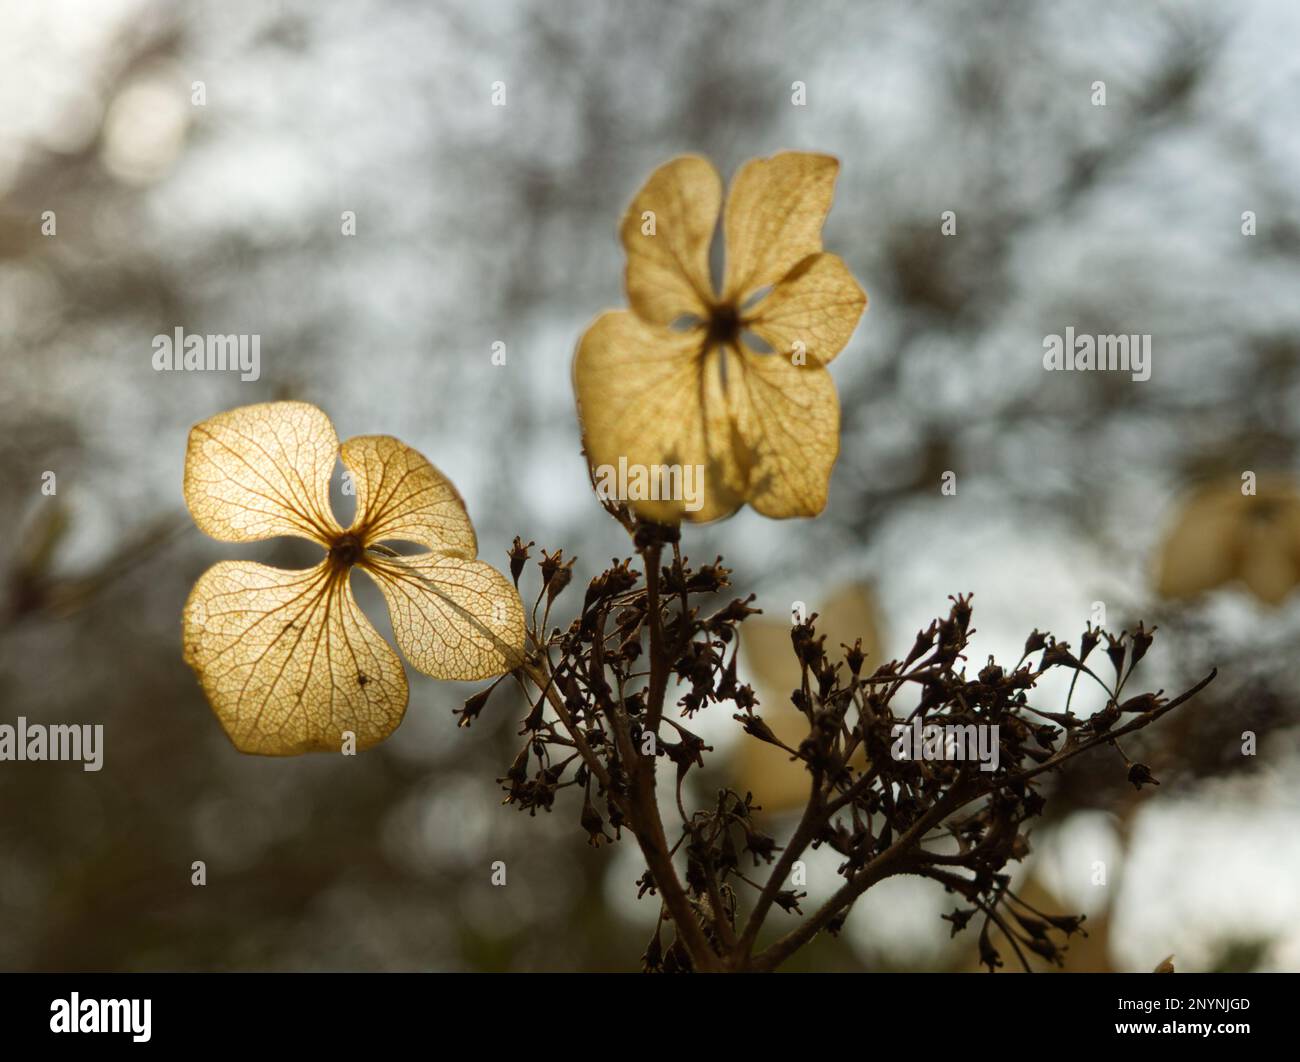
287 660
1222 535
764 426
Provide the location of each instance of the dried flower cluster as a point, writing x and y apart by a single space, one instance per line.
612 700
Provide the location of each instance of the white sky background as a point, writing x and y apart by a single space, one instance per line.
383 109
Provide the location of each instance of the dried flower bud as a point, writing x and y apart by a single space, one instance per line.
609 583
1144 702
1045 735
709 578
533 721
1058 654
1103 720
924 641
991 674
1067 924
1088 642
559 578
519 768
755 726
1115 651
1142 640
854 657
737 611
959 919
1044 947
961 611
550 564
473 706
518 556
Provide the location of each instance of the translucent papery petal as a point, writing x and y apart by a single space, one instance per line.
666 233
453 618
653 411
774 216
812 311
262 471
401 496
789 418
288 661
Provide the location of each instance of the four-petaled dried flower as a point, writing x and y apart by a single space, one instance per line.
288 661
763 426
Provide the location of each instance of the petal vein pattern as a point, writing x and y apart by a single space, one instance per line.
262 471
453 618
402 497
288 660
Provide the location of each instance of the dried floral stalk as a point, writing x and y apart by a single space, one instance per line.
600 723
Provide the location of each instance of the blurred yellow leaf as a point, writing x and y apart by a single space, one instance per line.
777 782
287 659
762 425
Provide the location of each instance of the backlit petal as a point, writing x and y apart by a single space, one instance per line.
789 419
453 618
813 310
262 471
775 210
402 497
288 661
648 398
668 254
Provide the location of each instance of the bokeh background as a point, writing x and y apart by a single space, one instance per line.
478 224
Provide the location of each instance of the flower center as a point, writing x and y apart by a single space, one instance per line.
1265 511
346 551
724 325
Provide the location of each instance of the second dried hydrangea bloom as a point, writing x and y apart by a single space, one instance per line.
764 425
288 661
1222 535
